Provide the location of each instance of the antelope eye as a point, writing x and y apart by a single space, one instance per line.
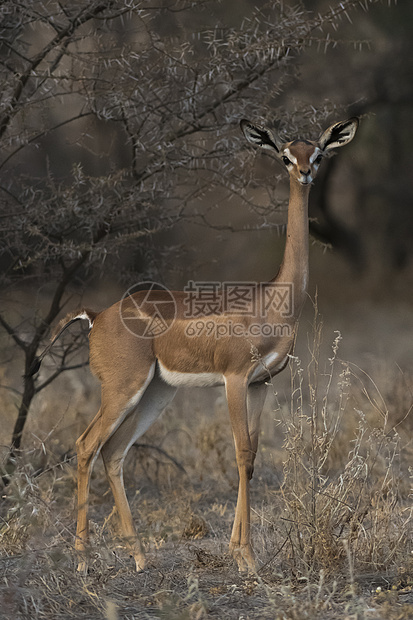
318 160
287 161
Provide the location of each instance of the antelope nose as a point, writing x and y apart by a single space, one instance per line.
305 172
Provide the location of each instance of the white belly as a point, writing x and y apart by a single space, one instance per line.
190 379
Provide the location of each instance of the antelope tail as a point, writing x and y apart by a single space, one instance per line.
70 318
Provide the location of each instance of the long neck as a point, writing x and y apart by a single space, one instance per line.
294 267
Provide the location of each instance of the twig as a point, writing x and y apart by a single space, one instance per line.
157 449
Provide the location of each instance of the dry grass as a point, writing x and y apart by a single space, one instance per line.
331 512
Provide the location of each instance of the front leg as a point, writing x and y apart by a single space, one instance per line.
240 545
256 398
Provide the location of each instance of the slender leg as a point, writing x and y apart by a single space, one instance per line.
157 395
85 461
111 414
240 544
256 399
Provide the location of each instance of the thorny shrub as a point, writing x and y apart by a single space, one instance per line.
339 512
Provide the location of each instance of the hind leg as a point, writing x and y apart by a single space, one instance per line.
113 411
157 395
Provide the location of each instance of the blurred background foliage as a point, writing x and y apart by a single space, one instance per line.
121 157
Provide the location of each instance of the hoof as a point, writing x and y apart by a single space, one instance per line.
82 568
140 563
244 557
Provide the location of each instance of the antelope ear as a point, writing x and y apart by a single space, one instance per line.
259 136
338 134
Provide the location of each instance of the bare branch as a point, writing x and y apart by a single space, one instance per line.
20 343
57 373
83 16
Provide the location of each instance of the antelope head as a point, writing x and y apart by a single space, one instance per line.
302 158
